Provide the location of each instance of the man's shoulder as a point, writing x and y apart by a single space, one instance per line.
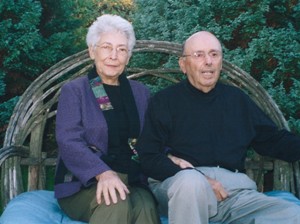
170 90
167 97
234 94
231 89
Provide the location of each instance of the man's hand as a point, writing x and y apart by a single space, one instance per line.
180 162
217 187
109 184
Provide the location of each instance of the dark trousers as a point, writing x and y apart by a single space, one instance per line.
139 207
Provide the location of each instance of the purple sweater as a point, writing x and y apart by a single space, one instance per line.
80 124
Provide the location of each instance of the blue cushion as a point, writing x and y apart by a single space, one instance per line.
37 207
40 207
284 195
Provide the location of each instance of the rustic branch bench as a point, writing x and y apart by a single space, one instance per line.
28 152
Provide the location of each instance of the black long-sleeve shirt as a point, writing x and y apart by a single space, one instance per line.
208 129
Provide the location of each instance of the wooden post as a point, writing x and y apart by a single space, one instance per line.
35 180
283 176
12 184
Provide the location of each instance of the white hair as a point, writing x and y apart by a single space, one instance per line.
107 23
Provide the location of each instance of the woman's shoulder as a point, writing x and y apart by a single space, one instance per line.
80 81
79 84
138 85
76 86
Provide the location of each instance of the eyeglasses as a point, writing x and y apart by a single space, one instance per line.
200 55
107 49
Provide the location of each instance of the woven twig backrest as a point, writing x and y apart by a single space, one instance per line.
25 131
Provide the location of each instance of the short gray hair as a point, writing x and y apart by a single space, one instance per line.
106 23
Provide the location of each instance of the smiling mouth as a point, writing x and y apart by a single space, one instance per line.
207 74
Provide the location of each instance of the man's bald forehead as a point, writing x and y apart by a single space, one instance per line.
200 35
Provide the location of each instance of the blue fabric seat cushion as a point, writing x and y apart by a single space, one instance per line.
40 207
35 207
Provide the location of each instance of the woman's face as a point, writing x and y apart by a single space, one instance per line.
111 56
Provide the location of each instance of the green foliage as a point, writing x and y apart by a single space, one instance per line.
154 60
261 37
2 84
34 35
289 102
6 109
117 7
19 34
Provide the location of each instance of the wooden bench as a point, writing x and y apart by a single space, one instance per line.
29 148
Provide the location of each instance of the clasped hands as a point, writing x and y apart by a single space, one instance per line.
220 193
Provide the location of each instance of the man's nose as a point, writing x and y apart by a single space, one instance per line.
208 59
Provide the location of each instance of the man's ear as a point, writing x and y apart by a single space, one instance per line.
91 52
181 63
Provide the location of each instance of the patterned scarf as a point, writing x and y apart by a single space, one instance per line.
100 94
130 106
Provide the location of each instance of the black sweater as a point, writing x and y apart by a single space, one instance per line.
208 129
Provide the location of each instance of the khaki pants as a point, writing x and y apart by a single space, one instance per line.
187 198
138 208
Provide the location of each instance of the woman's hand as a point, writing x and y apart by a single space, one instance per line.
180 162
109 185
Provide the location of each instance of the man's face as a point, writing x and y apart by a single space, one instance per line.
202 60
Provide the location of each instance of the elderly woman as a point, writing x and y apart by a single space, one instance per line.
99 118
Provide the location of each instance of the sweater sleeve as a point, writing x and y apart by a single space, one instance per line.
271 141
152 142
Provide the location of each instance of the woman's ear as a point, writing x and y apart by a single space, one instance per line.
128 60
92 52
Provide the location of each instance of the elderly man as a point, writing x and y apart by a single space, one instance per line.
194 145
